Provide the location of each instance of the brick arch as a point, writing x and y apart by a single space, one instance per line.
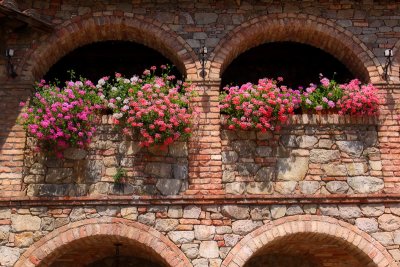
92 231
89 29
355 240
307 29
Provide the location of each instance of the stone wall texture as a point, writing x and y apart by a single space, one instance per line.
324 191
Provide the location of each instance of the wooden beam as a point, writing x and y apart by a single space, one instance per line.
15 19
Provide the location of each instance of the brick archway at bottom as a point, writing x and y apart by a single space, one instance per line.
304 230
77 239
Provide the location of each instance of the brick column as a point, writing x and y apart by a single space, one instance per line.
205 165
12 138
389 136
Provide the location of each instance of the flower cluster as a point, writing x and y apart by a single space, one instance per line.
266 105
62 117
156 107
358 99
321 96
263 106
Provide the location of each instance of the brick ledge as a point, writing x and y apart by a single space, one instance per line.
199 200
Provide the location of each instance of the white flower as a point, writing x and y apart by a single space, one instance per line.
78 83
101 82
118 115
126 81
125 108
111 105
126 101
102 97
118 98
114 89
134 79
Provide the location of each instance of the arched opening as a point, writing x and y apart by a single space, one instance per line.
100 251
95 60
299 65
91 243
309 250
289 27
308 241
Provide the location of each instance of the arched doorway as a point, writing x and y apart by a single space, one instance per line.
299 65
308 241
318 32
91 243
105 58
88 29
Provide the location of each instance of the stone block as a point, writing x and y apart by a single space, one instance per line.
356 168
168 187
307 141
236 188
291 169
180 171
244 148
309 187
285 188
229 157
8 255
166 225
337 187
389 222
349 211
75 153
147 218
204 232
323 155
191 212
259 188
243 227
369 225
59 175
178 149
278 211
159 170
365 184
191 250
236 212
352 148
181 237
22 223
332 169
265 174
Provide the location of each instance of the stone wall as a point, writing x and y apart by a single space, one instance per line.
305 157
206 234
149 171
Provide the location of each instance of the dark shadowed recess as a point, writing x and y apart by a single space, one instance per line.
299 65
99 59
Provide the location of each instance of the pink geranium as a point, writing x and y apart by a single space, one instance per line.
154 106
62 117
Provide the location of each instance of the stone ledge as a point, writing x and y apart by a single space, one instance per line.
199 200
324 119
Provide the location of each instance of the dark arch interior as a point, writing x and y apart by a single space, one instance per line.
100 59
309 250
299 65
101 251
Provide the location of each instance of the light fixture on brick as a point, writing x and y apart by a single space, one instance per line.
388 65
10 67
203 58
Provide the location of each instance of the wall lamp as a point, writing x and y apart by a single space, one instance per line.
203 58
10 67
388 65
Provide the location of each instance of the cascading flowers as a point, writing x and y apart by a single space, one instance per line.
263 106
266 105
62 117
156 107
